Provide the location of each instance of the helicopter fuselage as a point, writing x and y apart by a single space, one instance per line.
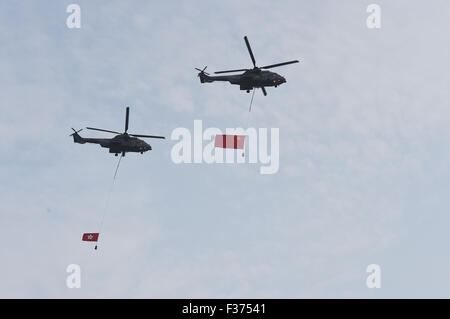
254 78
122 143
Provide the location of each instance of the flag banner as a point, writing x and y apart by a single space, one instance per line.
90 237
230 141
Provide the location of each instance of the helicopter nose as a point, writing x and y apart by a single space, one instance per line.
145 147
282 80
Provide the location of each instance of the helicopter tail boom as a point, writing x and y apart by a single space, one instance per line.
233 79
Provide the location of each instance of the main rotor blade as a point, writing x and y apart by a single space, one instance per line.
126 118
99 129
278 64
264 90
229 71
149 136
250 51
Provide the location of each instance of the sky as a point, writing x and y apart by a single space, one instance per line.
364 158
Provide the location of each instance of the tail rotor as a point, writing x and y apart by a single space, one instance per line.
77 138
202 74
75 131
202 71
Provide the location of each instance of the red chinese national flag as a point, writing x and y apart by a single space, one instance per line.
230 141
90 237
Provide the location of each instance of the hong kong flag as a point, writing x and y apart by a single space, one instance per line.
230 141
90 237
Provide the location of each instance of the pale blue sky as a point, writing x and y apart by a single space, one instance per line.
364 128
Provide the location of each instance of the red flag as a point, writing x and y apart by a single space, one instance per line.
230 141
90 236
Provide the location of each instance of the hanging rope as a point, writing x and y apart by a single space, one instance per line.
251 101
108 196
247 121
115 173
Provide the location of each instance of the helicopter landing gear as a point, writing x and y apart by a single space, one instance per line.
116 154
142 152
248 91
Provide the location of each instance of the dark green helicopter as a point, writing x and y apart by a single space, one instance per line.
251 78
121 143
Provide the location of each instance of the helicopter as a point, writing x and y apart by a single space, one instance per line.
251 78
121 143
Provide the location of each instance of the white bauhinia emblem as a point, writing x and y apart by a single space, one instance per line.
90 237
